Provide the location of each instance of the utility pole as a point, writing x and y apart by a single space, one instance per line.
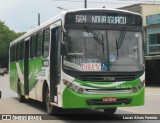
38 19
85 3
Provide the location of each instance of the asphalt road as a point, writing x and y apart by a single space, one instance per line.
9 105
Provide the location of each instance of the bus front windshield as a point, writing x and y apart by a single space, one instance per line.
103 50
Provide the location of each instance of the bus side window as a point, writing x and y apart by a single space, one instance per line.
18 51
32 46
11 54
22 50
15 51
39 44
45 45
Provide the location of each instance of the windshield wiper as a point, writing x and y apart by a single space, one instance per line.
95 36
119 42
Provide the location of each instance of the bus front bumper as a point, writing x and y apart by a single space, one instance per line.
72 99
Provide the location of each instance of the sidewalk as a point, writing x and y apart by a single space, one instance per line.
152 88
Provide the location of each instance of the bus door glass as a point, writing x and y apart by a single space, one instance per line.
54 62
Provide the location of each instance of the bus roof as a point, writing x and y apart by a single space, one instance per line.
60 17
109 9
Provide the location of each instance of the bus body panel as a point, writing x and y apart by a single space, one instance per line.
17 75
13 77
36 77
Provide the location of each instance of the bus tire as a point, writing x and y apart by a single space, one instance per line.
51 109
110 110
20 96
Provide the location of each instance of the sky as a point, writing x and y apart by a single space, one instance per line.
21 15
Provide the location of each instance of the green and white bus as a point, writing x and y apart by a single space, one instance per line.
87 58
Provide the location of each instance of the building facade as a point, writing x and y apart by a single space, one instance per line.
153 34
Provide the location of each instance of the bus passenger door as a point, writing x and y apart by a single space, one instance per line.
26 69
54 63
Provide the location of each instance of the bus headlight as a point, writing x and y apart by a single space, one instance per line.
138 87
73 87
80 90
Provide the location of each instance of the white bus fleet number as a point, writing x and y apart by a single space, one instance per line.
81 18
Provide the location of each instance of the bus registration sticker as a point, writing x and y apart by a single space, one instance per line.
109 99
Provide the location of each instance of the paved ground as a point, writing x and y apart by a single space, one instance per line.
10 105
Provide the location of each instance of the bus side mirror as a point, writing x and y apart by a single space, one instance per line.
0 94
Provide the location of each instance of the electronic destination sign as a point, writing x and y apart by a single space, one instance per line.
103 18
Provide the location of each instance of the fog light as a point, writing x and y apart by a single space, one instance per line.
142 84
80 90
134 89
74 87
69 85
139 87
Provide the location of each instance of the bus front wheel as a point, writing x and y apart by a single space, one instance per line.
110 110
50 108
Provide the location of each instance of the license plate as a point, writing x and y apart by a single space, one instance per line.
109 99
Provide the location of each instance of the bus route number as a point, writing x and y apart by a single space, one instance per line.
81 19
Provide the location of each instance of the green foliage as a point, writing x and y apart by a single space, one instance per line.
6 36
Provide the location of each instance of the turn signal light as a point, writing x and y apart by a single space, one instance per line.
138 87
65 82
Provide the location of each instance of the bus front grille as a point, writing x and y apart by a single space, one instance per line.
106 78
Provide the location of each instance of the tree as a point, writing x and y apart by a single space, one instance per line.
6 36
